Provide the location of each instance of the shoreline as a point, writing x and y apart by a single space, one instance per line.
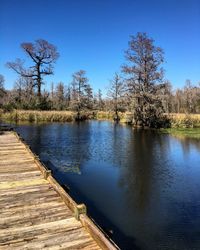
182 125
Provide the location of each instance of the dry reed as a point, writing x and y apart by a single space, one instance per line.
175 120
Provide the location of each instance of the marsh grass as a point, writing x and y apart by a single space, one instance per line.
105 115
184 120
44 116
38 116
110 115
183 132
175 120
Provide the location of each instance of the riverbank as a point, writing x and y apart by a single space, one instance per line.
183 132
38 116
183 121
57 116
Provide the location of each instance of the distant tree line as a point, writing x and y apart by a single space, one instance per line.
139 88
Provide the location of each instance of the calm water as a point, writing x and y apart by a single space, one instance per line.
143 188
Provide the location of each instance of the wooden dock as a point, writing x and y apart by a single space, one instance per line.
35 212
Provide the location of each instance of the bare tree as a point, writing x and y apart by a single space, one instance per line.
60 96
79 86
68 96
178 101
43 55
2 80
23 93
116 92
166 96
2 90
144 76
100 100
88 100
189 95
52 91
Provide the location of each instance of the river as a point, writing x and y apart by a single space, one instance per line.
141 187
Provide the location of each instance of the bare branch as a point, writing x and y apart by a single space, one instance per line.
43 55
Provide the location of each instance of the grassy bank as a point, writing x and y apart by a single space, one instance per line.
183 132
55 116
103 115
184 120
176 120
184 125
38 116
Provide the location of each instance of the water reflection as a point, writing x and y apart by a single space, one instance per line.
142 186
189 144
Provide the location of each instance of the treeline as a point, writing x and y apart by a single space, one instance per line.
140 87
76 96
67 97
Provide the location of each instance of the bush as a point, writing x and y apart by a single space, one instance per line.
8 108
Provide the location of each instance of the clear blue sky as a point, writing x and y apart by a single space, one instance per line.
93 35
